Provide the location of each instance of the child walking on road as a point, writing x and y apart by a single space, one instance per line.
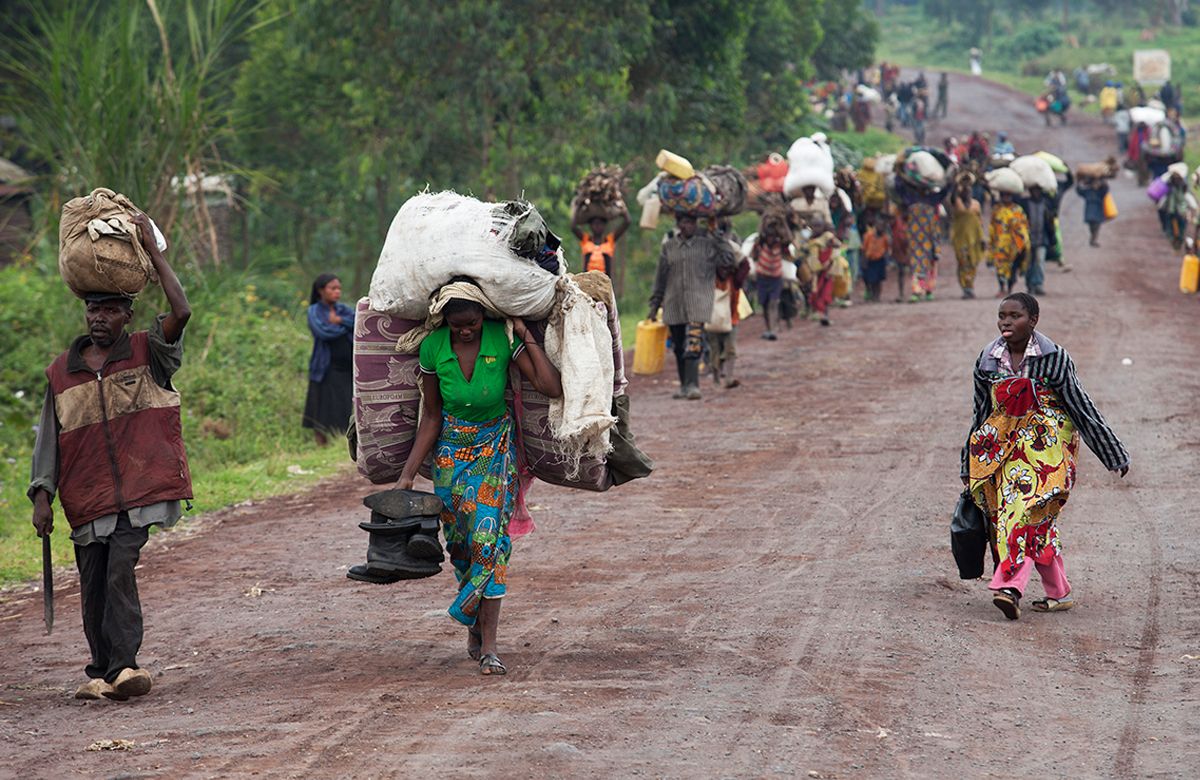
1019 460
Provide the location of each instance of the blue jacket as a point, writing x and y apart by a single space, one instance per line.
324 332
1093 199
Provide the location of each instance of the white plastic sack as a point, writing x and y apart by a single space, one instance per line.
1005 180
1034 171
1146 114
437 236
810 164
927 167
650 191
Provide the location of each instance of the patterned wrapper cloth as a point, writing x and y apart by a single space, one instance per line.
923 246
1022 471
475 475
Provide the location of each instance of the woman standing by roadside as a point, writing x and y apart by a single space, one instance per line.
330 369
1008 237
465 422
1019 460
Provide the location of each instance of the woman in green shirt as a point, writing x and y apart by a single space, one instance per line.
466 423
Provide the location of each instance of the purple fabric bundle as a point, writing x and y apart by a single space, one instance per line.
387 397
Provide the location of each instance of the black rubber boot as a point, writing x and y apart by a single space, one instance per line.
399 504
388 559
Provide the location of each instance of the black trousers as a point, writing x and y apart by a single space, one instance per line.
112 613
687 342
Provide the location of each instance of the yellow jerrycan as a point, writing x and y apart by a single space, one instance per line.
677 166
650 347
1189 278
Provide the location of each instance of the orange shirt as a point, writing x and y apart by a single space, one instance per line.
874 245
598 257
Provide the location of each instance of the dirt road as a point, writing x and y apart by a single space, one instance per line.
779 599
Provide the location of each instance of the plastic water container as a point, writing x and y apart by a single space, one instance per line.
1189 279
675 165
650 347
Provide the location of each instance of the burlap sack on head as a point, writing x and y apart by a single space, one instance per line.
99 249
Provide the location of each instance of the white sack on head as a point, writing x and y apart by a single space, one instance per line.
1005 180
1034 171
810 164
1147 115
579 344
437 236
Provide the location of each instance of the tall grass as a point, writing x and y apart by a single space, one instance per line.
128 94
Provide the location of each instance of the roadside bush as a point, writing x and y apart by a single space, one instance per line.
1030 42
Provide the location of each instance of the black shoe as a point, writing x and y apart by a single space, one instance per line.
399 504
388 558
425 548
363 574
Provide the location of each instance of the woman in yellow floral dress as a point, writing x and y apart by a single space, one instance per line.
1019 461
1008 237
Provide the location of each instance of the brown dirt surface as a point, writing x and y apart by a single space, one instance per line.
777 600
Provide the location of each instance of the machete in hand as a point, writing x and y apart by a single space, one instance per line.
47 584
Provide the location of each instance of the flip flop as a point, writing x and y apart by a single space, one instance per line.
490 664
1008 603
1053 605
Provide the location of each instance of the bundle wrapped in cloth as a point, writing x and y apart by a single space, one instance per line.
1098 170
99 248
439 238
730 186
599 194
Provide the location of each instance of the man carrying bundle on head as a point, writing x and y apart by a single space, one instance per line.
598 203
599 246
683 288
109 444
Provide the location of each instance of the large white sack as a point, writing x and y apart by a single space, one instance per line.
810 164
1005 180
1146 114
1033 170
437 236
926 168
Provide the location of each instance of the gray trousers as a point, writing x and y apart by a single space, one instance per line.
112 613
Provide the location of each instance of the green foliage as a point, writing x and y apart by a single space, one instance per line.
849 37
1028 42
84 99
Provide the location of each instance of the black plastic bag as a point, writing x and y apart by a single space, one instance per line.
968 537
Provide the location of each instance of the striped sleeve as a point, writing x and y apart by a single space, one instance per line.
983 408
1096 433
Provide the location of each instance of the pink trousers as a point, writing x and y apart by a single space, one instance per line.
1054 578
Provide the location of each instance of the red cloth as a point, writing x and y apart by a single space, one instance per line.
120 444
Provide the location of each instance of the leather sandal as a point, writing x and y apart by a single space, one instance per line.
491 664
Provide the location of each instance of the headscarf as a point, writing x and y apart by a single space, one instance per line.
318 285
410 342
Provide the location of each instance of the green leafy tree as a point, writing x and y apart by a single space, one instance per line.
849 38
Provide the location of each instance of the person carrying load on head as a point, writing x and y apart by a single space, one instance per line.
683 288
466 425
598 246
110 445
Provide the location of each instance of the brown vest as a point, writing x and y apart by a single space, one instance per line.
120 443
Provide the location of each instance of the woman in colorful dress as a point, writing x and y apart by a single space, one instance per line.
1019 460
924 235
466 423
1008 237
966 234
